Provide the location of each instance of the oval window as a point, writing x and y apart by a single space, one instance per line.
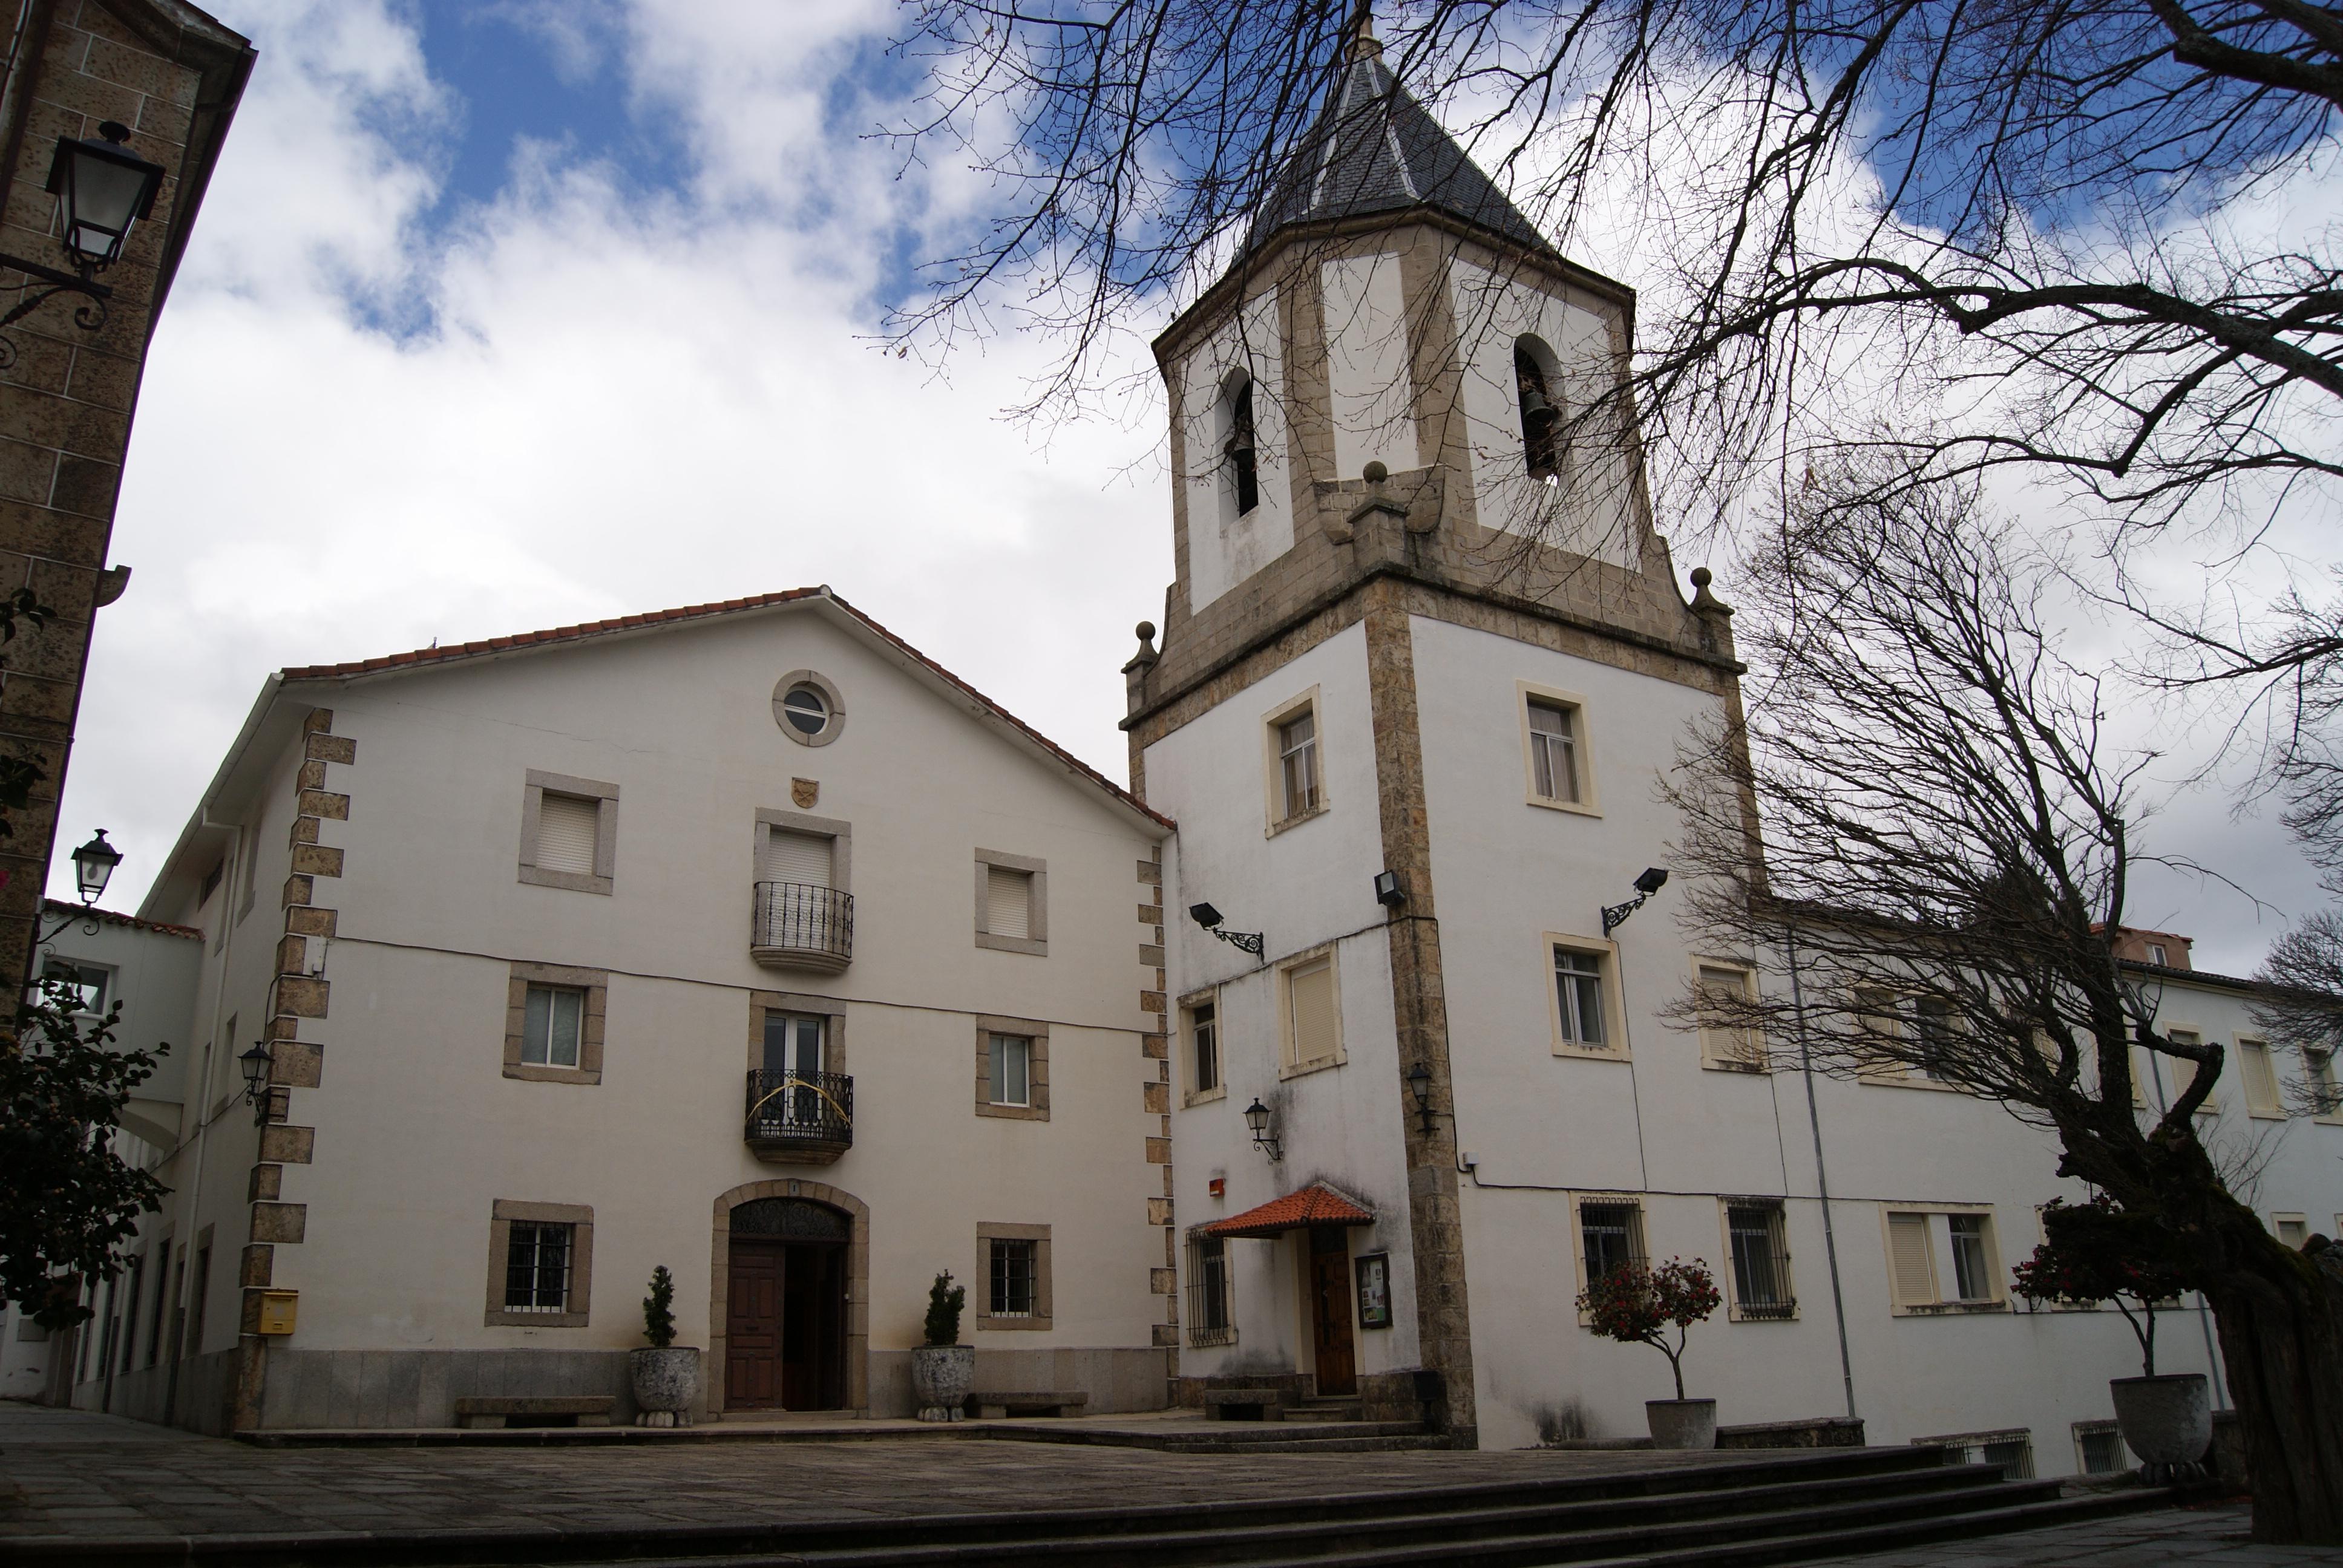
806 709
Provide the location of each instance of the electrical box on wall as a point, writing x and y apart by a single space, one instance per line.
278 1309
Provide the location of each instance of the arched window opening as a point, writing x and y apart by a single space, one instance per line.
1541 420
1239 450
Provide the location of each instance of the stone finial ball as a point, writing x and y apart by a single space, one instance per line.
1700 577
1146 630
1376 473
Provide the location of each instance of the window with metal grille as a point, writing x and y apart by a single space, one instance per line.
2099 1448
1761 1260
2012 1451
1971 1257
537 1267
1297 761
550 1024
1578 985
1012 1278
1008 1061
1612 1236
1554 750
1205 1048
1210 1319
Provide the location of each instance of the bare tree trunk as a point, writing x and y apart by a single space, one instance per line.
2281 1322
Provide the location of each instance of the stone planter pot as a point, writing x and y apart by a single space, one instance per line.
2167 1422
665 1382
941 1376
1682 1423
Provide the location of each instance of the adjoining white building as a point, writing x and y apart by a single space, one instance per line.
1422 664
149 968
741 940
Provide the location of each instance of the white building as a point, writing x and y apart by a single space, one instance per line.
1412 640
741 940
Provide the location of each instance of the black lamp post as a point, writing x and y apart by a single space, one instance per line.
1258 1117
1419 1083
103 189
256 1063
94 865
1615 915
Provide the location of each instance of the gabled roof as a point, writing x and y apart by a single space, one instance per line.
1316 1205
1375 149
527 641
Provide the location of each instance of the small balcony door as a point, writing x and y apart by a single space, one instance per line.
794 1064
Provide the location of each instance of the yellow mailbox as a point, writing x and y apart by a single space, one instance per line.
278 1311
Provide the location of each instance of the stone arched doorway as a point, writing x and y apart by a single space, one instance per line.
788 1315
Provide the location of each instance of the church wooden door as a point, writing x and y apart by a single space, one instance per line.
752 1325
1330 1297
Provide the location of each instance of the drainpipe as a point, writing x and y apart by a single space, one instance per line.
1822 1177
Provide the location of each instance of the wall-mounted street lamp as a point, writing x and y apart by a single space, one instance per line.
94 865
1615 915
103 189
256 1063
1260 1117
1419 1083
1209 917
1388 892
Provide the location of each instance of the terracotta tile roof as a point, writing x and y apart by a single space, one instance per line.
583 629
107 917
1315 1204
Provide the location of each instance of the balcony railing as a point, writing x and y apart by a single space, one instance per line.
799 1118
797 925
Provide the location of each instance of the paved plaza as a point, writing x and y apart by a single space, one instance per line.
74 1476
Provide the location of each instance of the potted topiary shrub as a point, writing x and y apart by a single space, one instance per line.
1635 1305
943 1369
666 1375
2094 1255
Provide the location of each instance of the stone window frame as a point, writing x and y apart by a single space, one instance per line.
1711 1059
1607 954
1272 764
1210 996
580 1218
1589 802
1288 1064
1037 923
1043 1317
1037 1068
605 836
837 830
829 689
595 984
833 1042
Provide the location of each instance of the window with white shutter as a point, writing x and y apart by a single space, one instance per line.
567 827
1007 902
2261 1077
1911 1261
1313 1026
804 858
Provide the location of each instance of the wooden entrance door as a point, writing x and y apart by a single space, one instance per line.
752 1325
1329 1298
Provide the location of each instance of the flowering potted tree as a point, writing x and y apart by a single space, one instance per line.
2092 1257
666 1375
1637 1304
943 1369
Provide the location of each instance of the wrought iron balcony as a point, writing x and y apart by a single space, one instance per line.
799 926
799 1118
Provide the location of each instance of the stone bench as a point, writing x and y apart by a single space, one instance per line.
1261 1403
534 1409
995 1404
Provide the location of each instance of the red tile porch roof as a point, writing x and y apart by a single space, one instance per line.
1315 1204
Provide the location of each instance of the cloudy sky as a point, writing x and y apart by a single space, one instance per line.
507 314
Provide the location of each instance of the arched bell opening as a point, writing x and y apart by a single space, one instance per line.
1536 388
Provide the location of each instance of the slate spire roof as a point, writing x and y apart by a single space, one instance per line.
1375 149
